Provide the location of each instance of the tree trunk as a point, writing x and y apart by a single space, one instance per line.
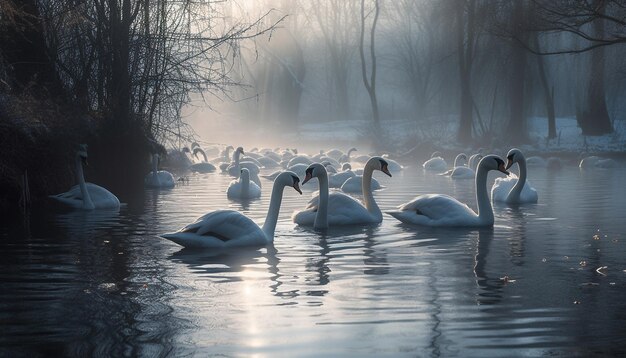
465 45
370 84
517 131
595 120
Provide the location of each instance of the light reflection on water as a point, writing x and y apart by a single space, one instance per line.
79 284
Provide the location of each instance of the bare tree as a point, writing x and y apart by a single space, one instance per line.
370 83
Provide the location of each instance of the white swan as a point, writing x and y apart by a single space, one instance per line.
596 162
86 196
203 166
337 208
158 178
243 188
444 210
346 157
354 185
459 162
234 169
435 163
394 166
228 228
336 180
514 190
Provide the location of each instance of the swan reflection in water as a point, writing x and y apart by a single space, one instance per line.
87 223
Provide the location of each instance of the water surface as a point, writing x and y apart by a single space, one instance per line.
105 284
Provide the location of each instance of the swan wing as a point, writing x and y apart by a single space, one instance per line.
462 173
435 210
502 187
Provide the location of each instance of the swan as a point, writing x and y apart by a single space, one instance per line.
346 157
234 169
435 163
354 185
536 161
335 153
243 188
337 180
229 228
394 166
337 208
86 196
514 190
473 161
204 166
158 178
444 210
461 157
596 162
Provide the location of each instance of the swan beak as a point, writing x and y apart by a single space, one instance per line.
297 187
503 169
308 177
509 163
385 170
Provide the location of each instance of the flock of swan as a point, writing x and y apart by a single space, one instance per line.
328 208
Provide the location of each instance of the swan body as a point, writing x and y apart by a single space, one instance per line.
268 162
458 163
394 166
300 159
462 173
337 208
435 163
596 162
444 210
158 178
354 185
228 228
86 196
361 158
514 190
243 188
337 180
299 169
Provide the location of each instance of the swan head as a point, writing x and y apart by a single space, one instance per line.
346 166
378 163
288 178
195 145
82 153
186 150
493 162
513 156
353 149
240 150
245 174
315 170
230 147
435 154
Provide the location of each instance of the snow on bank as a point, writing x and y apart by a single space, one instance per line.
570 137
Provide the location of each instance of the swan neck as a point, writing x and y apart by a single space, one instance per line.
155 163
87 203
485 211
368 196
269 226
516 191
321 218
236 159
245 185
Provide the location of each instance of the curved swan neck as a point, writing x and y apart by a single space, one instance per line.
87 202
269 226
516 191
236 159
245 185
485 211
155 163
321 218
368 196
